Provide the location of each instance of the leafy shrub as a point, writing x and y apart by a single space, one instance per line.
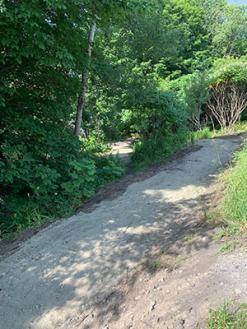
162 128
229 69
161 147
107 169
192 91
95 143
46 174
44 170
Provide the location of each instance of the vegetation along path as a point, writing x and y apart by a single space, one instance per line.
58 274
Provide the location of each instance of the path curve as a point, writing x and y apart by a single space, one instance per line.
71 264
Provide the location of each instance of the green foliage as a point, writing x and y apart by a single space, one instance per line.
203 134
189 17
230 31
160 121
108 169
229 70
192 90
44 170
229 316
158 148
47 178
206 132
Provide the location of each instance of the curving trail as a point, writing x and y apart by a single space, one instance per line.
57 274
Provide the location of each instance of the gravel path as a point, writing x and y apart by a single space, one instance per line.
70 265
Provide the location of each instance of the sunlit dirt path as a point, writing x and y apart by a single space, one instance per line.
58 273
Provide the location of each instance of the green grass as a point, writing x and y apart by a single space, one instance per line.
231 214
203 134
234 204
229 316
207 133
229 246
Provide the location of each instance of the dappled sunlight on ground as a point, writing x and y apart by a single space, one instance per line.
71 265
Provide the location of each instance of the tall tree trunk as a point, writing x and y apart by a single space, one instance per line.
84 82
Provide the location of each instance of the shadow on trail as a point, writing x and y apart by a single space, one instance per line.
69 267
189 234
94 267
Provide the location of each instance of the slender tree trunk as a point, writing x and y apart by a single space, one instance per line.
84 82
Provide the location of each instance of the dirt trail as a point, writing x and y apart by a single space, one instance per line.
69 266
123 149
180 295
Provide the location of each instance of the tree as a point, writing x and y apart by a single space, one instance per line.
228 29
228 91
84 82
44 169
227 102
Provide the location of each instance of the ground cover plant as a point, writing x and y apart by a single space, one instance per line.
229 316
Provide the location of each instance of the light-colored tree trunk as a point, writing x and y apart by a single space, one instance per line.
84 82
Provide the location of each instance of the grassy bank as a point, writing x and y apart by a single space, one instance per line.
208 133
234 206
231 213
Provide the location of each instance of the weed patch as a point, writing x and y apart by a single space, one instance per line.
229 316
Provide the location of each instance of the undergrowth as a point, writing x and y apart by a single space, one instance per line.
157 149
209 133
153 151
34 193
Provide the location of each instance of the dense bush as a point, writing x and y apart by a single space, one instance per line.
217 95
192 92
228 91
47 174
162 126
